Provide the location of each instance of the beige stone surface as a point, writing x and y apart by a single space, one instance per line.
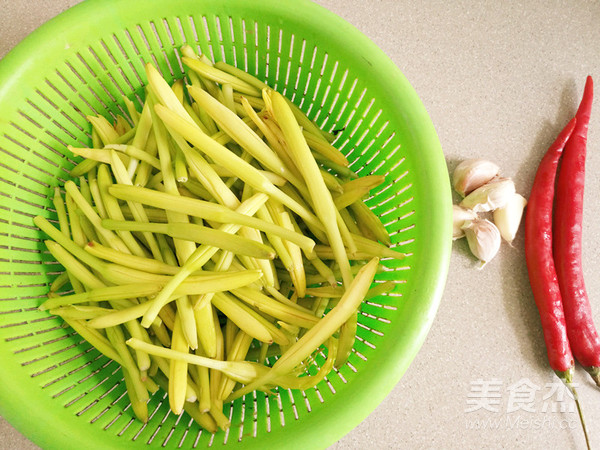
499 80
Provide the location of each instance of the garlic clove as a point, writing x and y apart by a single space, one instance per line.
508 217
483 238
460 215
473 173
490 196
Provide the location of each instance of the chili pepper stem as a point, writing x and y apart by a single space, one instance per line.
566 377
580 412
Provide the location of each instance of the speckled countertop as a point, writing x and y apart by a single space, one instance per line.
499 80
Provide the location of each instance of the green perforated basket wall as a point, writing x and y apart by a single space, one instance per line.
63 394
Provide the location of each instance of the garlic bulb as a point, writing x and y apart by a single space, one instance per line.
459 216
473 173
490 196
508 217
483 238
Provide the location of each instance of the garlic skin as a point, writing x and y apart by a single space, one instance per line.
483 238
460 215
490 196
508 217
473 173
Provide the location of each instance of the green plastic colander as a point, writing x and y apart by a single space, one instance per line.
62 393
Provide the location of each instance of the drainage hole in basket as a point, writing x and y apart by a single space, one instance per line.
31 191
119 413
109 75
90 390
46 370
254 414
359 354
79 413
180 64
162 47
172 430
127 425
265 399
293 403
100 414
339 374
97 79
242 417
79 94
143 427
372 330
73 358
15 324
150 417
306 402
109 424
371 316
170 433
280 406
185 433
119 45
197 440
367 343
30 203
13 311
30 120
65 390
25 349
390 154
145 39
60 338
351 367
26 133
408 214
208 39
228 430
396 165
211 441
47 100
92 374
379 305
319 396
330 386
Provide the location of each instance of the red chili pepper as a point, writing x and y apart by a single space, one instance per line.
583 337
540 262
